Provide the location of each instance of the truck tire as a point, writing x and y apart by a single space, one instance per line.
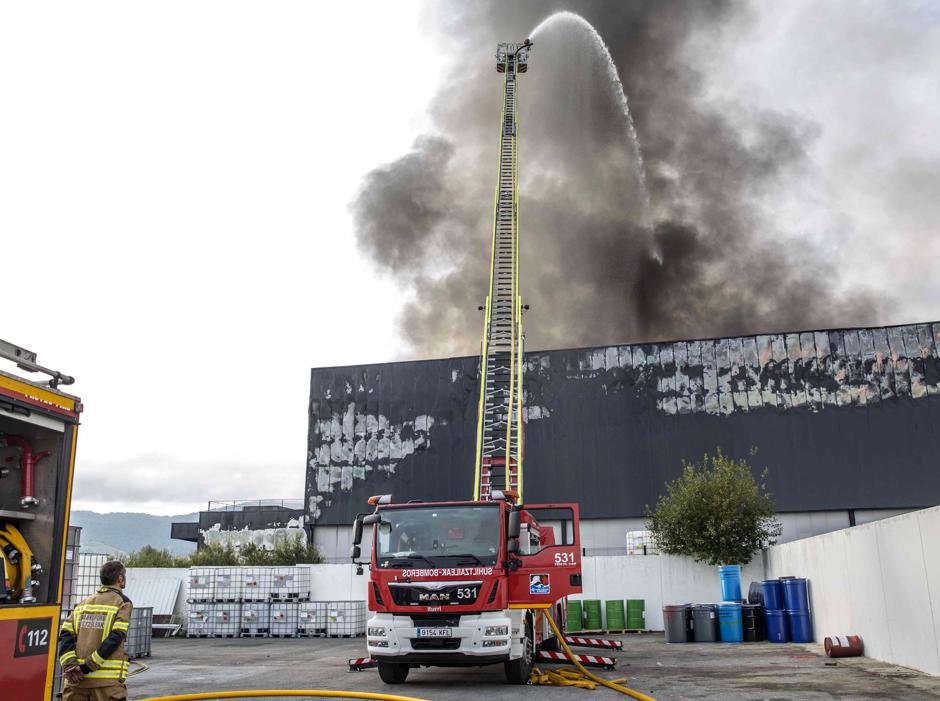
518 671
393 672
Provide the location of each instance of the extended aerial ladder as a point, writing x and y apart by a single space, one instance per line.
499 448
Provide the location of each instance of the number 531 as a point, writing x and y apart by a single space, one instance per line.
564 558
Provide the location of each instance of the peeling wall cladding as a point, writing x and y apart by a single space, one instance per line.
405 428
843 419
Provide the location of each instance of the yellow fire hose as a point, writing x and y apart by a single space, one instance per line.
582 677
257 693
17 576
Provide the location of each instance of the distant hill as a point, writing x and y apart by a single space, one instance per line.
124 532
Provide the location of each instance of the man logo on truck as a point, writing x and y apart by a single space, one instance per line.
539 584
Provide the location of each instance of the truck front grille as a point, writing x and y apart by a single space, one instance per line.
435 643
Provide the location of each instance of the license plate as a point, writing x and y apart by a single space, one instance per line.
433 632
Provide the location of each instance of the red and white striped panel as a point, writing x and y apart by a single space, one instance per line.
594 642
586 660
358 663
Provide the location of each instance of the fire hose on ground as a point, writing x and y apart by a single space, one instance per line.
582 677
257 693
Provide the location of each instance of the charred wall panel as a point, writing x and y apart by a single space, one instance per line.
843 419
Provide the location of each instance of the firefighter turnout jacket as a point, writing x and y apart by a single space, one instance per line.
93 638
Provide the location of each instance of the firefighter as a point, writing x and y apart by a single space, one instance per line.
91 643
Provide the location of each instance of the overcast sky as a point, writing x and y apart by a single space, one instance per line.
175 181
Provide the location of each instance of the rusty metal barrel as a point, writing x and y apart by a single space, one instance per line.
844 646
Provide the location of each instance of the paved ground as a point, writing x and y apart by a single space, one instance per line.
755 671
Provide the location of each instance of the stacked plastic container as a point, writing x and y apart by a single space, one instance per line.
255 584
796 600
225 620
284 619
227 584
265 602
255 619
197 624
139 632
774 612
201 584
345 619
311 618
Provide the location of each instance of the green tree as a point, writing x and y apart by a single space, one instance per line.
715 512
149 556
292 550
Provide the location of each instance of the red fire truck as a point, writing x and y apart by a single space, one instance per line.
38 430
459 583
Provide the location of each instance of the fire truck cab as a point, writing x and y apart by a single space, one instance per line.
461 583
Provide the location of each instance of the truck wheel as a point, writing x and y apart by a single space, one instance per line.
518 671
393 672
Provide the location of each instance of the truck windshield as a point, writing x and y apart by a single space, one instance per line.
438 536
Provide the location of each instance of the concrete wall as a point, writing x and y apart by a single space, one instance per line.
659 580
337 583
880 581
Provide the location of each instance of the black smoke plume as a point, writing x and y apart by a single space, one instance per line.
705 259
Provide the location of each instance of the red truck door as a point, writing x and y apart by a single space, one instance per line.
550 570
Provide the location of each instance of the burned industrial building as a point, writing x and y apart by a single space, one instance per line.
847 422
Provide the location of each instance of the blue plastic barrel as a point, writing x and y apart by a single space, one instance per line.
729 622
730 582
795 594
776 625
773 594
801 629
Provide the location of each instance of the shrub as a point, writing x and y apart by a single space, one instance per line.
293 551
289 551
715 512
215 555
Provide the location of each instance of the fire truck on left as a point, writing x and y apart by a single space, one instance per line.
38 429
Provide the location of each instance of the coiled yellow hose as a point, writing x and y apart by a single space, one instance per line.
568 679
19 574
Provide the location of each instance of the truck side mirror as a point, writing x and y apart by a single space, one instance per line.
512 547
372 519
357 531
512 529
354 552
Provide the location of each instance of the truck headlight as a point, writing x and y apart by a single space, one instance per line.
376 632
496 630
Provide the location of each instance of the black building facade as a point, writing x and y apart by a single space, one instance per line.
844 419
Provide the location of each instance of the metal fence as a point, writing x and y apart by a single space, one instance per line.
242 504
